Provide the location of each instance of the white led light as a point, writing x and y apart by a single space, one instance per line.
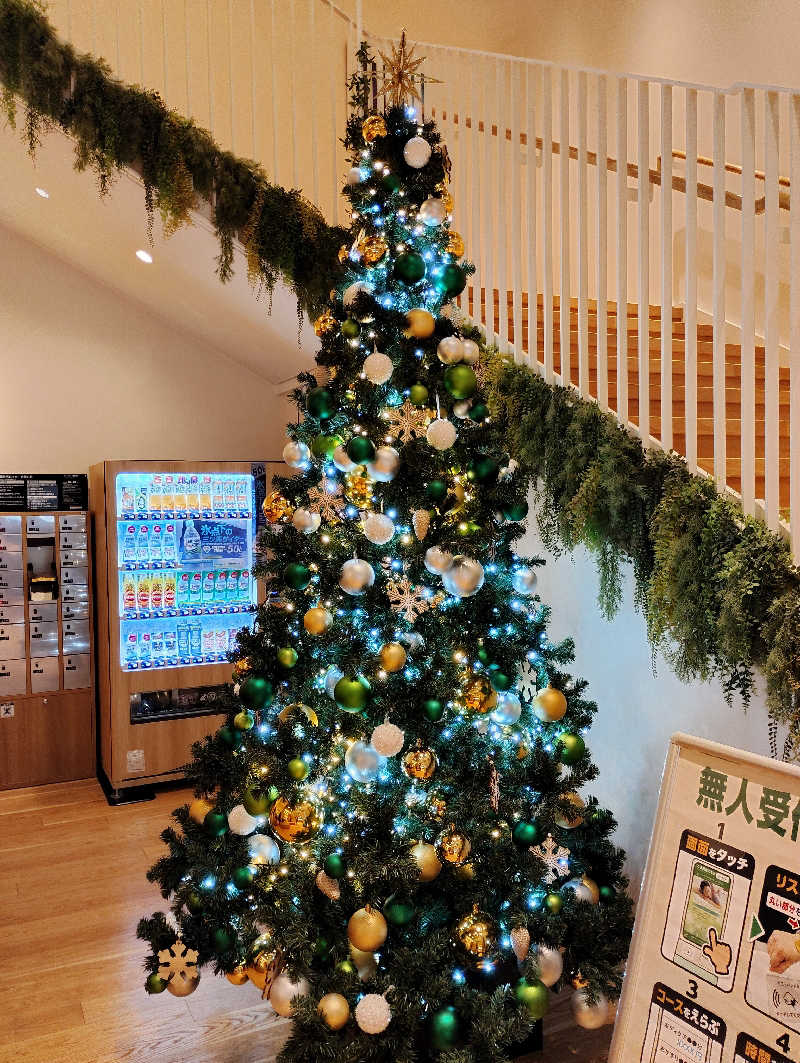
42 192
144 256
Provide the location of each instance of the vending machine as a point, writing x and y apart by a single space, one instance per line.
175 544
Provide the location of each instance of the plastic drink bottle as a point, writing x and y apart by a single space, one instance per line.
220 587
143 586
196 588
193 495
244 587
218 496
141 501
191 542
170 586
169 547
129 543
168 495
157 646
127 505
180 495
195 640
154 496
232 588
143 543
128 593
229 487
205 496
243 497
182 592
208 587
145 650
155 543
131 651
208 644
170 645
183 640
157 592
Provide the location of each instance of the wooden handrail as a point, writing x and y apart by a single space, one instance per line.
731 167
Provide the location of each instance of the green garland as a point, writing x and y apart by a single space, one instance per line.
718 589
116 126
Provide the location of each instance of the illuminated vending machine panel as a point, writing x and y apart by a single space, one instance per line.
185 556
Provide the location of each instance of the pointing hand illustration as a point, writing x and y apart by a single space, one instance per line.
718 952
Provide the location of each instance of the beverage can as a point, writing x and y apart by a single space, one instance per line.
157 592
168 495
143 543
143 587
180 495
128 593
195 640
183 641
145 650
205 496
154 503
243 497
170 589
129 543
131 651
218 496
208 587
193 495
156 543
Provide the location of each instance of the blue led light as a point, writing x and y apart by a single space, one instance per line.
459 977
208 883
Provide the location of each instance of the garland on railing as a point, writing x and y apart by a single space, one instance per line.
116 126
718 589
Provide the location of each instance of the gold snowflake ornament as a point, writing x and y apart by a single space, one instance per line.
410 600
326 499
178 963
400 74
407 421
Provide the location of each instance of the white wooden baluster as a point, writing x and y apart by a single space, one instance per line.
487 214
274 69
231 101
690 307
312 76
530 215
666 266
564 208
643 116
515 222
771 311
583 239
547 218
475 246
500 203
794 333
333 130
718 292
293 87
209 68
622 250
748 394
602 242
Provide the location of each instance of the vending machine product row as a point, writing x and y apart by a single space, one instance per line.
175 544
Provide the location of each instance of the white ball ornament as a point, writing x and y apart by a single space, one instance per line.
464 578
508 711
550 963
461 409
432 212
384 465
373 1013
472 351
354 176
582 891
450 350
441 434
283 992
417 152
306 521
378 528
438 561
387 739
296 455
524 581
589 1016
378 367
352 292
342 460
365 962
240 821
356 575
362 762
332 677
263 849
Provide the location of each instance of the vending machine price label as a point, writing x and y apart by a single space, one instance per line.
714 970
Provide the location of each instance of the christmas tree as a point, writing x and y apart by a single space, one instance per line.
388 838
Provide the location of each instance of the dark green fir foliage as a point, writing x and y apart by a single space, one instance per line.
475 654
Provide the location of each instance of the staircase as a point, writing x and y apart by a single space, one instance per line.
705 407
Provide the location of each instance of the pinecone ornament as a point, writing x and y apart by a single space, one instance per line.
520 942
329 886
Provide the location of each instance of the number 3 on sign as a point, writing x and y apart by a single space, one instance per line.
692 990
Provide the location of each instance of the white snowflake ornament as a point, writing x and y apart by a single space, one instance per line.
555 858
528 682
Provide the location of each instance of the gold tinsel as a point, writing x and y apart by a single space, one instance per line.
455 244
446 196
372 127
344 252
358 488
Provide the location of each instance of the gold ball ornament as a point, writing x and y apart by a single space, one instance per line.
453 846
424 856
479 695
466 872
264 964
446 195
325 323
420 763
420 324
335 1010
343 255
372 249
393 656
592 887
283 991
276 508
358 489
549 704
476 933
455 244
238 976
295 821
199 809
372 127
367 929
437 805
317 620
575 819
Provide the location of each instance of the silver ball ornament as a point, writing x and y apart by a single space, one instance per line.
263 849
296 454
306 521
450 350
284 990
332 677
524 581
354 176
472 351
589 1016
384 465
432 212
240 821
550 963
356 575
461 409
378 528
352 292
342 460
362 762
378 367
438 561
464 578
508 711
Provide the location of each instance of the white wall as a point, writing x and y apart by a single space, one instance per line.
637 710
87 375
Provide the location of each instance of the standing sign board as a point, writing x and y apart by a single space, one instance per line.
714 970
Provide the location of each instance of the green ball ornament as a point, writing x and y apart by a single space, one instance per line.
525 833
436 490
460 381
256 692
534 996
433 709
334 865
215 823
571 748
516 510
501 681
467 528
323 446
479 412
194 902
409 267
223 939
418 394
298 769
445 1028
484 656
229 736
255 801
244 721
360 449
451 281
391 182
297 576
351 329
398 912
243 877
553 902
287 657
483 469
351 693
607 893
321 403
154 984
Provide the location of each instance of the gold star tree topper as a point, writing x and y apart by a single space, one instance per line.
400 74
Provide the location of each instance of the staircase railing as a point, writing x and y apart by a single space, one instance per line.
672 300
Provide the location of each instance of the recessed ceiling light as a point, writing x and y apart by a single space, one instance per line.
42 192
144 256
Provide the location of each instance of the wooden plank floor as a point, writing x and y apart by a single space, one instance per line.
72 886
